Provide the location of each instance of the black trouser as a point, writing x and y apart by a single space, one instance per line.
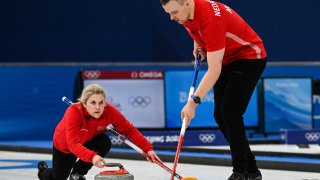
63 163
232 93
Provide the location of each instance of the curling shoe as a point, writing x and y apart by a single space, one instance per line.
77 176
238 176
255 176
42 166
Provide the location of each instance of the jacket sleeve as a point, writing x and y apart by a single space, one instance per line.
74 124
127 129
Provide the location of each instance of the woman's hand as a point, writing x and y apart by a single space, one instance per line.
153 157
98 161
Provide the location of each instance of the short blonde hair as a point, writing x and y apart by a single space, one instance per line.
89 90
164 2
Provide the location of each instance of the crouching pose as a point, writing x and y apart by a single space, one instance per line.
79 141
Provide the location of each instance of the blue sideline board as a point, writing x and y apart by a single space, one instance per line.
177 85
287 103
298 136
316 111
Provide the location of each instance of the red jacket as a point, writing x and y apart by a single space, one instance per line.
77 127
216 26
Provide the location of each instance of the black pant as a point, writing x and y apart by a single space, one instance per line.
62 163
232 93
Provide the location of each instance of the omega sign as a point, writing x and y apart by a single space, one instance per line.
146 74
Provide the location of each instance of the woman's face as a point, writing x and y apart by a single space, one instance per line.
95 105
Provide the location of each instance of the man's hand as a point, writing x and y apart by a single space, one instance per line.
198 49
188 111
202 52
98 161
153 157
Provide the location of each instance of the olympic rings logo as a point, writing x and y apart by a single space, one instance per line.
207 138
92 74
139 101
312 136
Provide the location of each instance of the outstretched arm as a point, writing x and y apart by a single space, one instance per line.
207 82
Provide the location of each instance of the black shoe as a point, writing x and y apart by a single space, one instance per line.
42 166
77 176
255 176
238 176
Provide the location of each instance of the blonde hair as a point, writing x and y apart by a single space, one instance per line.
90 90
164 2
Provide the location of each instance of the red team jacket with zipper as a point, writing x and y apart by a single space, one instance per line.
216 26
78 127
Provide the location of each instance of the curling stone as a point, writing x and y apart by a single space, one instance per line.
121 174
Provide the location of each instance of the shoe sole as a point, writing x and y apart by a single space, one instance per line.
256 178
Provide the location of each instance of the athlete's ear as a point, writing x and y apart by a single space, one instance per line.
84 104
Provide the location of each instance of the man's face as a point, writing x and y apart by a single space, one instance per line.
177 12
